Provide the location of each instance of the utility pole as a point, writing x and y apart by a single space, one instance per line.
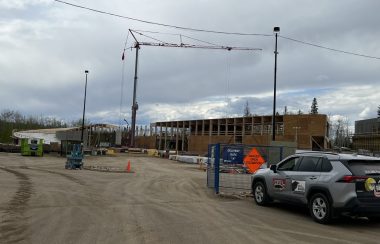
276 30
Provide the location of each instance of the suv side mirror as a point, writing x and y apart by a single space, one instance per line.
273 167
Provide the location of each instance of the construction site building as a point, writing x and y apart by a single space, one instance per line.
309 131
62 139
367 135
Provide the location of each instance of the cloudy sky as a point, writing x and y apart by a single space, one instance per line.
45 47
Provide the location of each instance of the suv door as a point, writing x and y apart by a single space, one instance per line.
281 180
305 175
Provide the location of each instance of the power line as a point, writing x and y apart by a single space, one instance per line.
328 48
161 24
215 32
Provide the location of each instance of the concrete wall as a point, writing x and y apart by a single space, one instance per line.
367 126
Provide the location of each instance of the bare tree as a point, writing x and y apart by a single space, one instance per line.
341 133
12 120
285 110
247 111
78 123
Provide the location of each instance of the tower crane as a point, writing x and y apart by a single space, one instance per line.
137 46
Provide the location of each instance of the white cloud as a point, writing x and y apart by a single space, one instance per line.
46 46
21 4
365 113
352 101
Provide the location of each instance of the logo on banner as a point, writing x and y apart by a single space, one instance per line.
233 155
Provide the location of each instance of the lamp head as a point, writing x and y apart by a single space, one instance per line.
276 29
86 71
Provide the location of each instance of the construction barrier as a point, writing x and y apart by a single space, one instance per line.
152 152
230 166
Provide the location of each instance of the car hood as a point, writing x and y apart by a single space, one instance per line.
261 171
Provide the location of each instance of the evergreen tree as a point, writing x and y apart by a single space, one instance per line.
378 112
299 112
314 107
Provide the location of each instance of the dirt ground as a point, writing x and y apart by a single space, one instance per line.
161 202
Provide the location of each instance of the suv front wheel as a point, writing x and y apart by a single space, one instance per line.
260 193
320 208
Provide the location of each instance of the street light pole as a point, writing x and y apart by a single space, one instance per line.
276 30
84 106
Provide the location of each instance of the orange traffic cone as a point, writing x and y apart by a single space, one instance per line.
128 168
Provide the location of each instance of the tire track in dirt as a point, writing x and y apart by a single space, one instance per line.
69 177
78 199
14 223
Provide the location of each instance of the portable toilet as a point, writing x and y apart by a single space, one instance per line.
32 147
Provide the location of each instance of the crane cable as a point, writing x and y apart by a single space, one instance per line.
177 34
122 82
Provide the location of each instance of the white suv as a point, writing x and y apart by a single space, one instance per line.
329 184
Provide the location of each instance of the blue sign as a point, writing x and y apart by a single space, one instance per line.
233 155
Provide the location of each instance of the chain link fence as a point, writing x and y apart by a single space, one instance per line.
229 167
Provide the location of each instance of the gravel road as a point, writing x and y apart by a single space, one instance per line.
161 202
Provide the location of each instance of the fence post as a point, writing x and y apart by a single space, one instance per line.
208 163
216 167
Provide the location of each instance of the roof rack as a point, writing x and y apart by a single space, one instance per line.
318 152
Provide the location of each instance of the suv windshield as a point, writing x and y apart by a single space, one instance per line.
364 167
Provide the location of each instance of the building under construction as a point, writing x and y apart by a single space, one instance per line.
367 135
306 131
62 139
